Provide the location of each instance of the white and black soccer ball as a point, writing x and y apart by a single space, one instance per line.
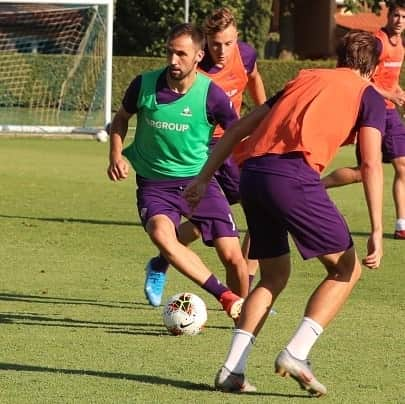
102 136
185 314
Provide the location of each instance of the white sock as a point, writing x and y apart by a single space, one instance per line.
241 345
400 224
304 338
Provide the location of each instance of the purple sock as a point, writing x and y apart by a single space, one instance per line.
214 286
159 264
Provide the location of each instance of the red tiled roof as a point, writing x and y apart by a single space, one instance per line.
365 21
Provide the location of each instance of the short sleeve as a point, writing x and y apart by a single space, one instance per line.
130 99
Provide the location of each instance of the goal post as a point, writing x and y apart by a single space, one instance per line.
55 66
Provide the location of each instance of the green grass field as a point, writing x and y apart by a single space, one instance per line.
75 327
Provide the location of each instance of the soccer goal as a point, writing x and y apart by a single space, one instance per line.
55 66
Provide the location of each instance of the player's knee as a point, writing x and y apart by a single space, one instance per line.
346 268
160 236
234 261
399 166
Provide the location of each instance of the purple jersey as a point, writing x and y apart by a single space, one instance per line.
219 108
370 110
247 53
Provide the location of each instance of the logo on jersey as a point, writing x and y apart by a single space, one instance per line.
186 112
392 64
177 127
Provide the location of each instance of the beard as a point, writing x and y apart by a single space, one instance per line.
178 74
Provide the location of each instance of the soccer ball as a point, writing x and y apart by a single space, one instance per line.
102 136
185 314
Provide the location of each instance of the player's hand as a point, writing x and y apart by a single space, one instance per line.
118 170
374 252
194 192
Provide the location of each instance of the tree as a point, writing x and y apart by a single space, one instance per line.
256 24
286 45
141 26
362 5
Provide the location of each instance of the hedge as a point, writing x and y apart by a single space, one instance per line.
82 88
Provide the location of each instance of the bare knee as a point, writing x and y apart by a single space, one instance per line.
399 167
343 267
161 231
274 273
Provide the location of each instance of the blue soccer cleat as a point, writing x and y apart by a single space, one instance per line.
154 285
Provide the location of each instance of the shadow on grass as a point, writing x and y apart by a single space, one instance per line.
73 220
74 301
182 384
38 319
35 319
128 328
366 234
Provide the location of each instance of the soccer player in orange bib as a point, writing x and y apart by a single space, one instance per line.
386 82
293 137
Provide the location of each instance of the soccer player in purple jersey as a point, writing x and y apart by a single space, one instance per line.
231 64
177 109
386 82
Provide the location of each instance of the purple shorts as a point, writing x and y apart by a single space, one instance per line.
228 177
213 216
393 140
281 194
393 143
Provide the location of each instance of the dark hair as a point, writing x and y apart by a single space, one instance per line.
358 50
218 21
190 30
394 4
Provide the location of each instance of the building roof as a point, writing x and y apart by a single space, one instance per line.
366 21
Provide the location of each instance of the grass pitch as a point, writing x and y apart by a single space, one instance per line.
75 327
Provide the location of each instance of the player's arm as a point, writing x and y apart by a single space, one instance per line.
371 124
255 86
220 110
222 150
372 176
118 168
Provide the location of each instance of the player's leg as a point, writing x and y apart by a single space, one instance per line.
214 219
319 230
325 303
157 267
228 177
274 274
398 190
252 265
162 232
343 272
269 244
342 176
393 147
160 206
230 254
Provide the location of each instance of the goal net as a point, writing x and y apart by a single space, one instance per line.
55 66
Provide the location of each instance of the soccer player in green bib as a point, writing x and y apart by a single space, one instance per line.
177 110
